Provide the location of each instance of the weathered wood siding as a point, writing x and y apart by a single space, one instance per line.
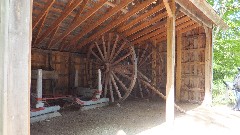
193 65
65 64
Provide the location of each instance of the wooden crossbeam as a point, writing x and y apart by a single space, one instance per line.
184 25
140 18
65 13
192 12
43 12
115 23
193 26
148 36
113 5
100 21
207 10
39 29
145 24
53 33
148 30
169 11
82 6
79 21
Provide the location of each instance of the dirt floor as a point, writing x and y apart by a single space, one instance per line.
139 117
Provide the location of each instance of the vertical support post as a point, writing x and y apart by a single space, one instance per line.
154 65
39 89
170 65
179 67
15 67
208 67
76 79
99 83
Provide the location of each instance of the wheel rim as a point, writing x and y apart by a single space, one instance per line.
116 58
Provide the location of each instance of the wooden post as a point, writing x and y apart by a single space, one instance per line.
170 65
179 67
15 67
154 65
208 67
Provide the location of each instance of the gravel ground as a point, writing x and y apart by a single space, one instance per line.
137 117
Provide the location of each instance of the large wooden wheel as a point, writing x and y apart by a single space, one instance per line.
145 54
116 58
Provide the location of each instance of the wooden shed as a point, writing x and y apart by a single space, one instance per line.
71 37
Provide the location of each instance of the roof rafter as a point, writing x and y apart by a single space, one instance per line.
115 23
79 21
169 11
63 46
140 18
65 13
145 24
101 20
39 29
43 12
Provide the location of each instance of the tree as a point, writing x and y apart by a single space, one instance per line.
226 43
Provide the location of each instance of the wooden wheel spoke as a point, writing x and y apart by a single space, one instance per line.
122 58
109 45
96 56
124 75
104 48
106 85
143 53
116 87
114 48
145 59
120 82
110 89
99 50
119 50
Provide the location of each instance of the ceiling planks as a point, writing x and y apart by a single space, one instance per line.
80 20
115 23
69 8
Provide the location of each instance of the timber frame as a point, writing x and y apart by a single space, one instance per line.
71 26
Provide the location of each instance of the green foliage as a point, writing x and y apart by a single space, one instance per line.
226 43
226 48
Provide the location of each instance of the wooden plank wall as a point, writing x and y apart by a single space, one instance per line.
65 64
193 66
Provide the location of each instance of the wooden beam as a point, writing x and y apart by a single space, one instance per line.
140 18
100 21
15 66
148 30
195 25
179 67
145 24
79 21
39 29
115 23
208 67
43 12
193 14
157 33
158 26
65 13
185 25
169 11
170 66
82 6
207 10
113 5
154 65
52 34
